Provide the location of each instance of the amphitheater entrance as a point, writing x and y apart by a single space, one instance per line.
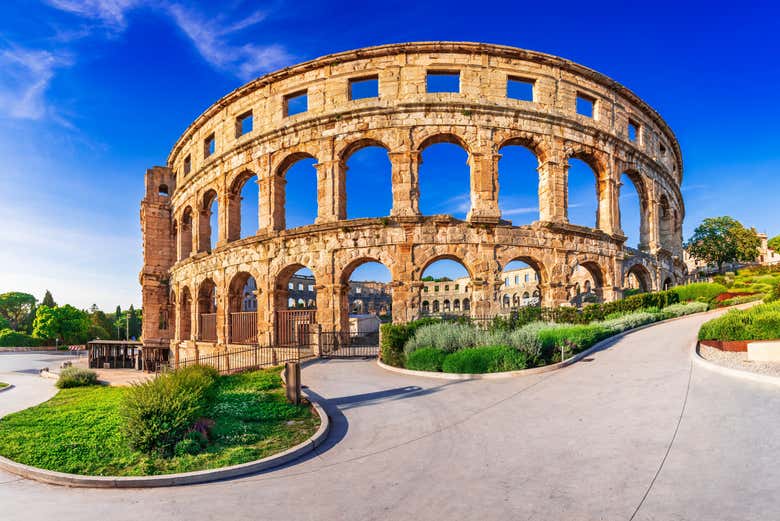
365 304
295 307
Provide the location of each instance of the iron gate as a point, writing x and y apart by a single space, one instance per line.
348 344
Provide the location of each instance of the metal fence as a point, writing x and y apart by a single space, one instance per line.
208 327
243 327
246 359
342 344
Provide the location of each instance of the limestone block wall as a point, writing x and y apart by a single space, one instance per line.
213 159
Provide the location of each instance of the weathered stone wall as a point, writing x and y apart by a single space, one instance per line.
404 119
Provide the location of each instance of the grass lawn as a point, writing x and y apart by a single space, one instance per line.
3 384
79 430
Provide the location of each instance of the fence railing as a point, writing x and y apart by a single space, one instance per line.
208 327
245 359
336 344
243 327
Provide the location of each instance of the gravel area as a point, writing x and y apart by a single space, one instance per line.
738 361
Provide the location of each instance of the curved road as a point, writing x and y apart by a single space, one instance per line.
634 432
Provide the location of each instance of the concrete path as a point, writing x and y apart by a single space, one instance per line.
600 440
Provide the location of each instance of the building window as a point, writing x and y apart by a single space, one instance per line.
633 131
290 286
163 190
506 282
366 87
187 165
446 287
300 286
520 88
244 124
209 146
527 277
357 290
311 287
662 149
436 288
425 289
456 287
517 280
296 103
442 81
586 105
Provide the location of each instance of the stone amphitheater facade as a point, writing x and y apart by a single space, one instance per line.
183 276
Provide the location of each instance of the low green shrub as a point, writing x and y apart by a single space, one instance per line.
761 322
492 359
426 359
394 337
733 301
76 377
571 338
187 446
157 413
706 291
687 308
11 338
446 336
629 321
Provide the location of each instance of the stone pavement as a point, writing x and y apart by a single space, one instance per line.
600 440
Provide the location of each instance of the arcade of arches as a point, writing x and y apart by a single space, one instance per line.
223 285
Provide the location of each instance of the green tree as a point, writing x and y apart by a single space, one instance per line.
774 243
16 307
135 323
65 323
101 326
48 300
118 328
722 240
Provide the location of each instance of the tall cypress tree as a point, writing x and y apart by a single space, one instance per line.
48 300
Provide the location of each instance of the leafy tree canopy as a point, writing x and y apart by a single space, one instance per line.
774 243
65 323
48 300
721 240
15 307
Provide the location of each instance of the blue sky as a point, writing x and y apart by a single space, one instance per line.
93 92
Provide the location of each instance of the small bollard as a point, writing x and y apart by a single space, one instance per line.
292 378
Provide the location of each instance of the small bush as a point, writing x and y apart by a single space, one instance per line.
572 338
678 310
761 322
395 336
631 320
76 377
426 359
479 360
11 338
187 446
706 291
158 413
446 336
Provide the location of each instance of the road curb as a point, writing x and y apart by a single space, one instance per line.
169 480
544 369
7 388
728 371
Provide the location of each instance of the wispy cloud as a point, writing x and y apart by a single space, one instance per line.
109 13
26 76
519 211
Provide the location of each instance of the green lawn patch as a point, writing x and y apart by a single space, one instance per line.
80 430
3 384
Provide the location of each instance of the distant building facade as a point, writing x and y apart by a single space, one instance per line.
365 297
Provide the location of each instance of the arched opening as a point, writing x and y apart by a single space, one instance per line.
426 307
456 305
209 222
668 283
665 222
520 276
518 181
369 189
444 177
175 236
242 300
162 190
300 201
637 280
444 280
588 283
295 309
185 234
368 282
582 196
207 311
185 314
632 211
243 207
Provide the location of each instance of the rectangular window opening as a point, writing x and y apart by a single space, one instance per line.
633 131
520 88
244 124
586 105
296 103
662 150
366 87
209 146
442 81
187 165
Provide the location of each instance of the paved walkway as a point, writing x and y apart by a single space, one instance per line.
600 440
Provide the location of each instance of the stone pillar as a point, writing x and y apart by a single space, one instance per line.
609 206
406 189
274 187
484 188
328 314
553 196
406 298
232 210
222 313
331 191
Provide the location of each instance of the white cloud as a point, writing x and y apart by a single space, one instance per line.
520 210
26 76
110 13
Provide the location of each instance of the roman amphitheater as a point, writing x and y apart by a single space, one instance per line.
194 291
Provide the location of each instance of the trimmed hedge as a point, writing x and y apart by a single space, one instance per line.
11 338
426 359
704 291
761 322
76 377
493 359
